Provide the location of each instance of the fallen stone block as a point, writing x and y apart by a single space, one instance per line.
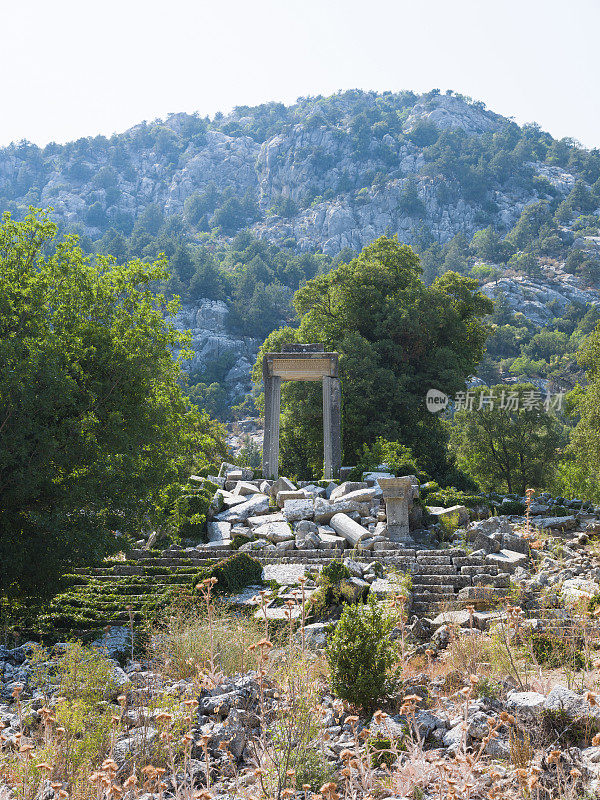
257 504
345 488
329 541
578 590
506 560
324 510
281 485
245 488
296 494
526 706
295 510
458 514
219 533
275 532
557 523
350 530
360 495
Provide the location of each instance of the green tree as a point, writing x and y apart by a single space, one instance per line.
397 338
95 430
584 447
505 439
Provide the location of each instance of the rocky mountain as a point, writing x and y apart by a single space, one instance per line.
469 189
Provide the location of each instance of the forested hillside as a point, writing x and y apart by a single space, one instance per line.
250 205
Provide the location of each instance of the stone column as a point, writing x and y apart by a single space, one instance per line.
272 385
332 432
352 532
397 493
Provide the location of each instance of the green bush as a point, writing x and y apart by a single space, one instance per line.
362 656
398 458
191 509
383 749
233 573
512 507
453 497
556 650
334 572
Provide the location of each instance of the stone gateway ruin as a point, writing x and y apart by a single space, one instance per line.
302 362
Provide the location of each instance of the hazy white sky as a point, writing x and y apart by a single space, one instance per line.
74 68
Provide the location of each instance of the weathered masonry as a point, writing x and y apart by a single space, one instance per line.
302 362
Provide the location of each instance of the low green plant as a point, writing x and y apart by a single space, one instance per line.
333 572
362 656
383 750
233 573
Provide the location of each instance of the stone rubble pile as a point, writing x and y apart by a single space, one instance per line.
232 717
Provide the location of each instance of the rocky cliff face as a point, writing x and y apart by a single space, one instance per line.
345 167
213 342
321 176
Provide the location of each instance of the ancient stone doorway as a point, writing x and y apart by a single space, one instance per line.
302 362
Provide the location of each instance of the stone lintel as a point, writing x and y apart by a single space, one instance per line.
305 366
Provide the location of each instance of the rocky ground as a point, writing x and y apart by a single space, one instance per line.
497 691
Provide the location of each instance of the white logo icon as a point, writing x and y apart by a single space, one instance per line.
436 401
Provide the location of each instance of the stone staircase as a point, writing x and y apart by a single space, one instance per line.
100 595
436 575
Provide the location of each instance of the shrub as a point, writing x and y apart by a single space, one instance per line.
233 573
556 650
384 750
191 509
362 656
453 497
334 572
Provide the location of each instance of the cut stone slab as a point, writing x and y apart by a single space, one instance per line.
371 478
577 590
360 495
219 533
460 513
257 544
481 596
282 485
257 504
295 510
294 494
354 567
245 488
461 619
324 510
275 532
285 545
350 530
230 500
345 488
525 705
261 519
575 706
329 541
557 523
507 560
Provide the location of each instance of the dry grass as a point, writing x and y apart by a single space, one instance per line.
182 647
73 748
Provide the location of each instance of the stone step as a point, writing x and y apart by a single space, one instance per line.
485 570
435 592
430 609
435 569
435 580
449 552
435 560
468 561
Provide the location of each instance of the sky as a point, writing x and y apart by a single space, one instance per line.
82 68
